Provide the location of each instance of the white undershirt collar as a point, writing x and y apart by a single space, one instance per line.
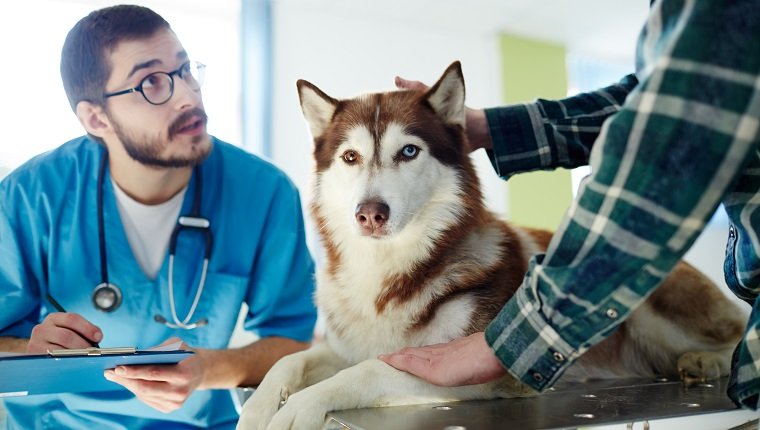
148 227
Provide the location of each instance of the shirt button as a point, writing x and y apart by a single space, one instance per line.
538 377
612 313
558 357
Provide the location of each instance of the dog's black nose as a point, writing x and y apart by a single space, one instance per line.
372 215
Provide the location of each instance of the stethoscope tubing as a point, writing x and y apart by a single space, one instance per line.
101 223
192 222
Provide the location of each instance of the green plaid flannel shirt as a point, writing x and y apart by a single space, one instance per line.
666 148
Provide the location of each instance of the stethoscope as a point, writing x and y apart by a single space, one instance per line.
107 297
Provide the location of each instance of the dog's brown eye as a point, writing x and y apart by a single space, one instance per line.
350 156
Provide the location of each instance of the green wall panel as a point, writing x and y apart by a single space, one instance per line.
534 69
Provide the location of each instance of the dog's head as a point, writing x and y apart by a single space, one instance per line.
390 164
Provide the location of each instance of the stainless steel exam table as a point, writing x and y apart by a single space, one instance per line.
625 404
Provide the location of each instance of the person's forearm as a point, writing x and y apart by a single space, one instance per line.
13 344
546 135
227 368
478 134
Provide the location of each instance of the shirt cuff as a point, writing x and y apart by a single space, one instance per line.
526 344
513 135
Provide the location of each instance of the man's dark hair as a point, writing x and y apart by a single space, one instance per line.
85 67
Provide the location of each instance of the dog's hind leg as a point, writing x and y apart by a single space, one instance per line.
690 320
687 328
702 366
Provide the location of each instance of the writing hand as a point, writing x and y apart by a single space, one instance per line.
63 330
464 361
160 386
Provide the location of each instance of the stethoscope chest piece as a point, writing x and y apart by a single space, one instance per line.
106 297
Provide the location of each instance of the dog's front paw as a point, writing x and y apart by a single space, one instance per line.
699 366
281 381
260 408
302 411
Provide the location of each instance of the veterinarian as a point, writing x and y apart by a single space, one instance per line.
666 147
91 223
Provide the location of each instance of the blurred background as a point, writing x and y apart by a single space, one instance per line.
511 51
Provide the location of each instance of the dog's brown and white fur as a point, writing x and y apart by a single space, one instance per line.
414 258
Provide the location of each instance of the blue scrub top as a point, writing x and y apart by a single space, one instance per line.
49 243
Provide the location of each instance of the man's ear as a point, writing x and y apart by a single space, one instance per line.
93 118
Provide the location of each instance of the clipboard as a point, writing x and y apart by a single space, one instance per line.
74 370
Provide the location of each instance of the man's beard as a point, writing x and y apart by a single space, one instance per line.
147 151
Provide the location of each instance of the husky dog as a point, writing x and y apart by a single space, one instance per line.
414 258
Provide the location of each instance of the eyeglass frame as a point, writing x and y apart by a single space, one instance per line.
139 89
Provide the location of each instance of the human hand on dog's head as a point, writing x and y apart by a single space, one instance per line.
478 134
404 84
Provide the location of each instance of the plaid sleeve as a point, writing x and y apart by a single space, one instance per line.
549 134
660 167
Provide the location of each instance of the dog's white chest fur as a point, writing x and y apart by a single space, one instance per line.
357 331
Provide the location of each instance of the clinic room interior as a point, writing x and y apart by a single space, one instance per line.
511 51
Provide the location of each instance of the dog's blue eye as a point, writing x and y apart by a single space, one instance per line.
410 151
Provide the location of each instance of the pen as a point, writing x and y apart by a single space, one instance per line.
60 308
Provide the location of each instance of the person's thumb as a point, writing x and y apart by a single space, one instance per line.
405 84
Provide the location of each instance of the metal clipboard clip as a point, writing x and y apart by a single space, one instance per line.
92 351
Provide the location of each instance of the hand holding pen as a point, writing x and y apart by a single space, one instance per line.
63 330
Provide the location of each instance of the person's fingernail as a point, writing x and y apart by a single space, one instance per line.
97 336
120 370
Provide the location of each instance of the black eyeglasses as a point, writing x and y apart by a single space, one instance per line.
158 87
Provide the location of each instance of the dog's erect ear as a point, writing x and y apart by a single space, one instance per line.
447 95
318 108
